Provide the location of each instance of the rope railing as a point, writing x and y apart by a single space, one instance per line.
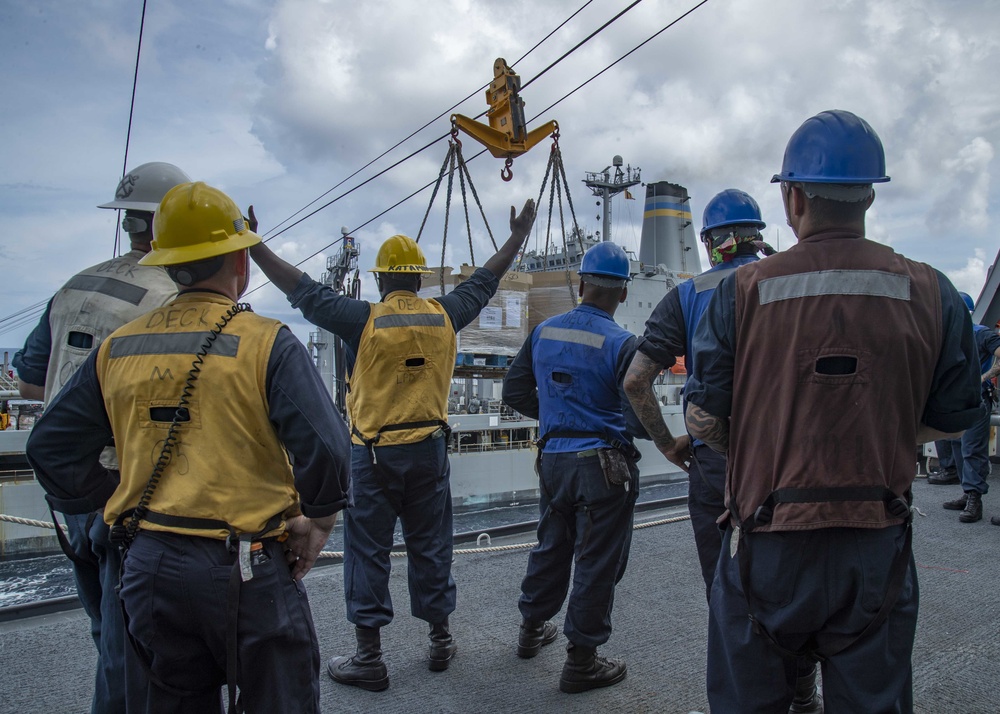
30 522
489 548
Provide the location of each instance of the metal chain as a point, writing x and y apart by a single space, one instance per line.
569 198
541 192
548 228
434 193
562 228
465 204
472 187
447 208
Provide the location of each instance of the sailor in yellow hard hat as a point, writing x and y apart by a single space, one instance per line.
401 357
230 468
90 306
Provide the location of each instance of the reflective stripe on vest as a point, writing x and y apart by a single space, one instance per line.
177 343
579 337
118 289
875 283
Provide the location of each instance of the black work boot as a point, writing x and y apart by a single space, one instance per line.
957 505
807 699
442 646
366 668
973 508
584 670
943 477
533 637
995 520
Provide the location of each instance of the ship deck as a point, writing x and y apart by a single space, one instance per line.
47 662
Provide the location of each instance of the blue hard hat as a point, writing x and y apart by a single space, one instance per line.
834 147
606 259
969 302
729 208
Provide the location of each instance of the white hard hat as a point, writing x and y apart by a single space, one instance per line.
144 187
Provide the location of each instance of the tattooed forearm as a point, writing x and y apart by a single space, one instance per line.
639 388
713 430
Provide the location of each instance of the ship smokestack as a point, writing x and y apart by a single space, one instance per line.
668 236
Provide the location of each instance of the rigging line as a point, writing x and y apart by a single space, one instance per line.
369 221
26 320
427 185
31 308
363 183
271 234
641 44
581 43
131 112
417 131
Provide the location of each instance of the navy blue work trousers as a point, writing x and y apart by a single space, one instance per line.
416 479
971 454
96 579
946 452
176 593
583 518
706 502
811 586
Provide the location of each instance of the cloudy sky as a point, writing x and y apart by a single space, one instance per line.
277 102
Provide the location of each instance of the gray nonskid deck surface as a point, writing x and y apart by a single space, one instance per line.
46 663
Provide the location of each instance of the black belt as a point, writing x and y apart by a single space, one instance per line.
628 449
383 481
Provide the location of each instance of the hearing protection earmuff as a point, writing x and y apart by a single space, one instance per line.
190 273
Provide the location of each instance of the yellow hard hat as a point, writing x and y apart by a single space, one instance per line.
195 221
400 254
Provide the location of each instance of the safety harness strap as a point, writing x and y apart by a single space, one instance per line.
898 506
399 427
380 476
64 543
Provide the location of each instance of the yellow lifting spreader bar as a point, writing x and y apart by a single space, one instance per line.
506 136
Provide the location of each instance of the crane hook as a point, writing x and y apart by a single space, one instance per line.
505 173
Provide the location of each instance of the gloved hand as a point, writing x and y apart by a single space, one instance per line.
251 221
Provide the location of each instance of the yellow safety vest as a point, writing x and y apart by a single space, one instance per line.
228 464
403 370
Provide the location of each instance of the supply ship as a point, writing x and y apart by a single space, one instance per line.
492 447
660 611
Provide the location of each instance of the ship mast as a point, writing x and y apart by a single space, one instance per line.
605 186
327 349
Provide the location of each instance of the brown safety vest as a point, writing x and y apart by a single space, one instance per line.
836 340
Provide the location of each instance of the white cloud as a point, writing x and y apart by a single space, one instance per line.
277 102
970 278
